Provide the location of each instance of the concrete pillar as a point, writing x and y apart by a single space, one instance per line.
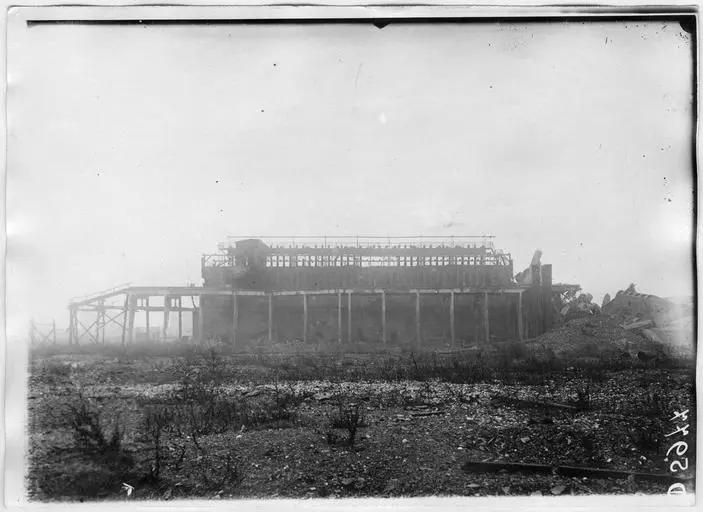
486 323
451 317
180 318
349 317
235 318
270 321
195 314
305 317
383 316
339 317
418 327
167 317
200 322
148 325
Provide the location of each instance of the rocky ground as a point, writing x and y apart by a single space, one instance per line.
209 425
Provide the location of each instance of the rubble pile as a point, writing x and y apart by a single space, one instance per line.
580 307
658 319
594 337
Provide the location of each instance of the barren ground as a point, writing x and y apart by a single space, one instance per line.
209 424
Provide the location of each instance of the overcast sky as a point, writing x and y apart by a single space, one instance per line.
134 149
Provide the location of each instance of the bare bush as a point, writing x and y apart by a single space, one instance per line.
89 428
348 416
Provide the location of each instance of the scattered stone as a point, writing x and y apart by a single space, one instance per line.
558 489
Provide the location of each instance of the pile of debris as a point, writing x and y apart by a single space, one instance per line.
593 338
658 319
580 306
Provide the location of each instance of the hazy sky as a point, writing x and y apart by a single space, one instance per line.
134 149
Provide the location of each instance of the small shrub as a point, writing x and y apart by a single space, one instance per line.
349 416
89 429
154 424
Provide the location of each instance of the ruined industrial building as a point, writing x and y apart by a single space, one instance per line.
415 291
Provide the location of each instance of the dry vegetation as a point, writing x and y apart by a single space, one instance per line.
178 421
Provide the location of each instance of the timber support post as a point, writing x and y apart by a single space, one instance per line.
125 316
130 318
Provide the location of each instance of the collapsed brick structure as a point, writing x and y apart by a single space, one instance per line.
418 290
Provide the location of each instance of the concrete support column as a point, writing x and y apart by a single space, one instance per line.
200 320
339 317
167 317
383 316
486 323
270 320
349 317
418 327
148 325
180 318
305 317
235 318
451 318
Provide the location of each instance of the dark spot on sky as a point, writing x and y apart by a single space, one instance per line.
262 109
274 64
217 181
